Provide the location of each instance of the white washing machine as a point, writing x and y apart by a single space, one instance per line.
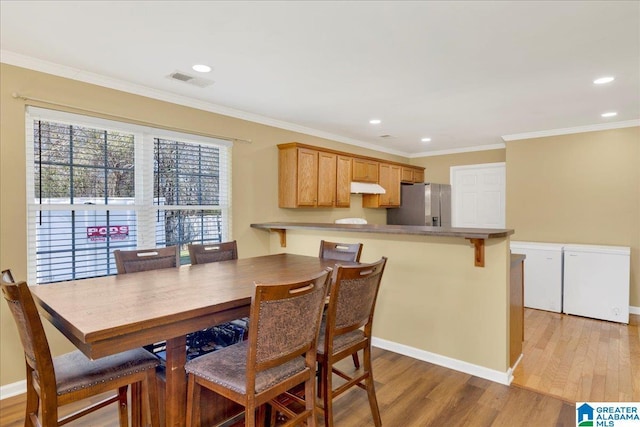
542 274
596 281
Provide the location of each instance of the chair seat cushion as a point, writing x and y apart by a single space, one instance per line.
227 367
341 341
75 371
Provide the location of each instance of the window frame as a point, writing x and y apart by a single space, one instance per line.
144 207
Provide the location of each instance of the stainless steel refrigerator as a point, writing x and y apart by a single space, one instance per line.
423 204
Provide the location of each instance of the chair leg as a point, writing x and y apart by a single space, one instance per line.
310 401
123 412
48 411
356 360
193 402
371 391
327 394
250 416
136 404
151 385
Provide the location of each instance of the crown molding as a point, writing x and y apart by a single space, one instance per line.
567 131
55 69
459 150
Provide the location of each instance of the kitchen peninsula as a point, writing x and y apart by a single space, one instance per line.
445 295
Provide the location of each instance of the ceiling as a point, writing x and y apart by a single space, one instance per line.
461 73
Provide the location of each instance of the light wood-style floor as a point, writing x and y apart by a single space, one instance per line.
565 356
580 359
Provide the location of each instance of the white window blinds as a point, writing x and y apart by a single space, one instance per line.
96 185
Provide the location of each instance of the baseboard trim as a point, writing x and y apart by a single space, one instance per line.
13 389
447 362
634 310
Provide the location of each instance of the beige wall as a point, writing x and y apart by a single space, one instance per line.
255 169
438 167
578 188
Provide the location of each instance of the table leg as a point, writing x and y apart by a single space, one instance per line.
176 387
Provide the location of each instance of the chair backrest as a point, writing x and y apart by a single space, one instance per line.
214 252
285 321
146 259
354 290
349 252
37 353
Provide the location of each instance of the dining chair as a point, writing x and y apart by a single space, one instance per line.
279 354
346 329
348 252
53 382
204 253
227 333
137 260
134 261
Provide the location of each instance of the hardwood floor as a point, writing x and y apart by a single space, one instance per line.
580 359
567 359
410 393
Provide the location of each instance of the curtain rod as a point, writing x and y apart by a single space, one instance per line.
100 114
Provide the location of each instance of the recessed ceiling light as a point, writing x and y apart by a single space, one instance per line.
201 68
375 121
603 80
425 139
609 114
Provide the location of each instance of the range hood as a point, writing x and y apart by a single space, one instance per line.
366 188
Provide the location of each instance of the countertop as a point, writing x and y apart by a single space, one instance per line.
467 233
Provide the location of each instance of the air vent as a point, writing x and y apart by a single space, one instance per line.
385 136
191 80
181 77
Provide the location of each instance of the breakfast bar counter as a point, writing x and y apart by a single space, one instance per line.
476 236
445 294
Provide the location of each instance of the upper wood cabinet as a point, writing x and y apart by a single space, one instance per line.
418 175
413 175
311 176
326 179
389 178
297 178
343 181
365 170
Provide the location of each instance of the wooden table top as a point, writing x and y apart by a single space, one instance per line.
105 315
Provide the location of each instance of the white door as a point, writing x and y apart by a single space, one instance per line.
478 195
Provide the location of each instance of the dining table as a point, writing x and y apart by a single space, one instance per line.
106 315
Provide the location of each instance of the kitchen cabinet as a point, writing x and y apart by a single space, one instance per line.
312 178
418 175
412 175
326 179
297 178
343 181
389 178
365 170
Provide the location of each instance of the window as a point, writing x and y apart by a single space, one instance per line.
96 185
